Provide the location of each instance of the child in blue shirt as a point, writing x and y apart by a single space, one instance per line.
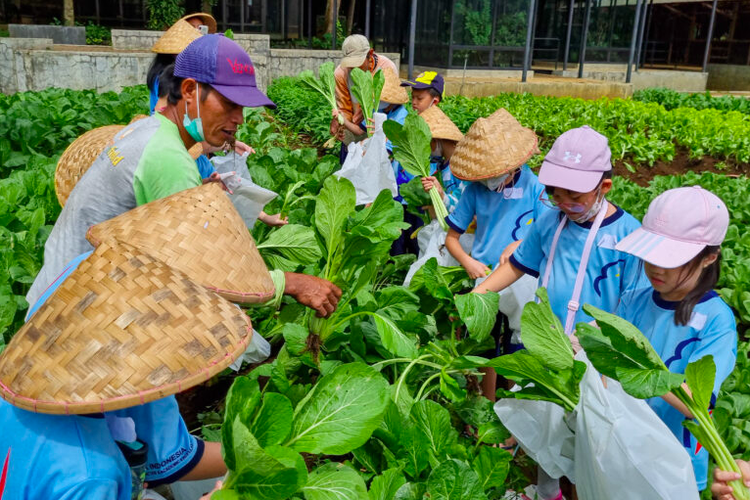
77 457
572 249
680 313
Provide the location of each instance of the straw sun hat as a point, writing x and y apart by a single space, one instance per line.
198 232
493 146
79 156
122 330
441 127
206 19
393 92
176 38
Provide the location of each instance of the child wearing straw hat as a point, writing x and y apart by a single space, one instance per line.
445 137
680 313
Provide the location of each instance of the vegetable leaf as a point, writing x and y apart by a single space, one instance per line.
411 143
479 312
492 466
543 336
334 481
290 246
385 486
454 480
700 377
274 420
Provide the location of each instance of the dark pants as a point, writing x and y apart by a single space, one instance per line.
405 243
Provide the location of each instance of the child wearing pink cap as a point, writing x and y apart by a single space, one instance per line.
681 314
572 249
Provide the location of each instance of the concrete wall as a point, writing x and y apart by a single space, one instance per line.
36 64
728 77
682 81
71 35
555 87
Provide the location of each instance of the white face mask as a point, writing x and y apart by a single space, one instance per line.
438 151
591 212
496 183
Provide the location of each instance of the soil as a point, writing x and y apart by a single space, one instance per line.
681 164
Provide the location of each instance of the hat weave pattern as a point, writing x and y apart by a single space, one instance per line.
441 127
176 38
199 232
79 156
493 146
393 92
123 329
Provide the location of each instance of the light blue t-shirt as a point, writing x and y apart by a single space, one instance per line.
88 457
711 330
67 457
502 217
453 187
609 273
205 167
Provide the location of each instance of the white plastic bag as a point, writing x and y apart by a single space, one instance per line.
257 350
368 167
623 450
540 428
431 239
248 198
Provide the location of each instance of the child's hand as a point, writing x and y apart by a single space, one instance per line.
429 182
720 489
217 487
476 269
509 251
274 220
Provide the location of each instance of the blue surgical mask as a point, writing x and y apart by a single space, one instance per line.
194 127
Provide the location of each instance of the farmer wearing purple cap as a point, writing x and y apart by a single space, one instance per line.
680 313
209 84
572 249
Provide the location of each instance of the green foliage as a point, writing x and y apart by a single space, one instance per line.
163 13
671 99
366 90
97 34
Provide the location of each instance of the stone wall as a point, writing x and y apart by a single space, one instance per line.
70 35
144 40
728 77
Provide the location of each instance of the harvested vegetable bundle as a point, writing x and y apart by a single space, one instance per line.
366 90
620 351
326 85
411 148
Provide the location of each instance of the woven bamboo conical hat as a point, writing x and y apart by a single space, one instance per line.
78 157
136 118
176 38
393 92
493 146
196 150
441 127
206 19
198 232
122 330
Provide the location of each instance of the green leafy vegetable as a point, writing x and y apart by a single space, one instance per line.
366 90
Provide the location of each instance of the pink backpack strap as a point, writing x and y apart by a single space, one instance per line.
573 304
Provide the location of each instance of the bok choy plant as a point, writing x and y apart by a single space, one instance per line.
326 86
366 90
620 351
411 148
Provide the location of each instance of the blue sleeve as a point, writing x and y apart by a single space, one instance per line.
634 277
529 255
463 215
172 450
398 115
205 167
72 266
719 339
100 489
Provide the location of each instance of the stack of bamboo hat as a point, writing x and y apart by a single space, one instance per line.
141 320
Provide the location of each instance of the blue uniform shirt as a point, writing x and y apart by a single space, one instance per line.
52 456
205 167
502 218
453 187
711 330
609 273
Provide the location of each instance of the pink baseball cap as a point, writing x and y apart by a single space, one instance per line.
678 225
577 160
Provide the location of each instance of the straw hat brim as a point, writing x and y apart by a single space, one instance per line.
207 19
79 156
122 330
198 232
196 150
441 127
176 38
493 146
393 92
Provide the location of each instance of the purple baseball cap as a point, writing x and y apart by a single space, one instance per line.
577 160
223 64
427 80
679 224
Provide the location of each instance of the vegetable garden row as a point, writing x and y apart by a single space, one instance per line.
384 401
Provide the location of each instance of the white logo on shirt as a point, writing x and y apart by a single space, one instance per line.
608 241
697 321
574 158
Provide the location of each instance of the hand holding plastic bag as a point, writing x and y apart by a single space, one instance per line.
368 167
248 198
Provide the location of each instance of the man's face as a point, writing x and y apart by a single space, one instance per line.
220 116
421 99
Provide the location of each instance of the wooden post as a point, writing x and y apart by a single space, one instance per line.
68 13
